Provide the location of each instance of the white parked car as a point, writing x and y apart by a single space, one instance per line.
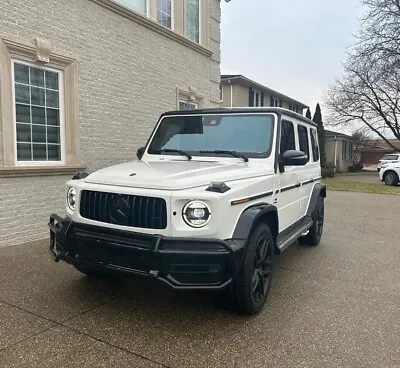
210 200
392 157
390 173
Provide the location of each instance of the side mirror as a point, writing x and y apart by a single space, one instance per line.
140 152
294 158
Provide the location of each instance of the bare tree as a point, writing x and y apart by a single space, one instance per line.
362 140
379 38
369 90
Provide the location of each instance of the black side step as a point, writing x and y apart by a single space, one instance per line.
290 235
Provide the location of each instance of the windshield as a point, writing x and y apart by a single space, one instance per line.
390 157
247 134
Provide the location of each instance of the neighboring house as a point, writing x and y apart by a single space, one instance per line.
338 150
239 91
373 150
82 83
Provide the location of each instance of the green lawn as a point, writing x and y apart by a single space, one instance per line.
356 186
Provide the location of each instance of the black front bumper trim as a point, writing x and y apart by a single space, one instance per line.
182 263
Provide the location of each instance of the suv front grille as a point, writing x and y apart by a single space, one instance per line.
123 209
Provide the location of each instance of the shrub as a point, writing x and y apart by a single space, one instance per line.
328 172
355 167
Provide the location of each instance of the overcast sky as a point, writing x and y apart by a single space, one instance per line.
293 46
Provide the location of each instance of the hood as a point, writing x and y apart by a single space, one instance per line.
172 175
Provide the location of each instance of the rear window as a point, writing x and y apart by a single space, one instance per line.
390 157
314 145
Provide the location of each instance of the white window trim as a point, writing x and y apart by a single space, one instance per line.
13 49
194 103
189 96
177 33
61 115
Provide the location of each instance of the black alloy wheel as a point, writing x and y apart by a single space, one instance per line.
262 268
315 232
250 289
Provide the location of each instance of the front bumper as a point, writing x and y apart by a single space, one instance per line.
182 263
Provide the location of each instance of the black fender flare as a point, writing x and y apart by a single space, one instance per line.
247 222
249 218
318 191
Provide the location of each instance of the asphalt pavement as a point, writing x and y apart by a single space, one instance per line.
335 305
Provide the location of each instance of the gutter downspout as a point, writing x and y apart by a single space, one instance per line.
231 94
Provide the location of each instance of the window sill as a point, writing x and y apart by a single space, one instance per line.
29 171
150 24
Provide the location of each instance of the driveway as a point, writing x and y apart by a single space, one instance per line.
336 305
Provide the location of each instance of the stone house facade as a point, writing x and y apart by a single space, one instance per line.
82 83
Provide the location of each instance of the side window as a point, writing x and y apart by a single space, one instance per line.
303 140
314 144
287 136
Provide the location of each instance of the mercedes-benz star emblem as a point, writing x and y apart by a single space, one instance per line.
120 210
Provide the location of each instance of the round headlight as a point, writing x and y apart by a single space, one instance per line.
71 198
196 214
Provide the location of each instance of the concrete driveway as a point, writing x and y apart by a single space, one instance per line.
336 305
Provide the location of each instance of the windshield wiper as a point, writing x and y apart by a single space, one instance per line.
171 150
232 153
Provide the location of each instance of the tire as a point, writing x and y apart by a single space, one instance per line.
91 272
391 178
315 232
250 290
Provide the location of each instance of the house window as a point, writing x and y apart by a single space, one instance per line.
287 137
187 105
39 118
314 145
188 99
256 98
164 13
192 20
139 6
37 112
303 140
274 102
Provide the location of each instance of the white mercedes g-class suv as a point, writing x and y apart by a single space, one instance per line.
210 200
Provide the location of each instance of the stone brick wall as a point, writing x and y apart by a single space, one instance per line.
127 75
25 206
